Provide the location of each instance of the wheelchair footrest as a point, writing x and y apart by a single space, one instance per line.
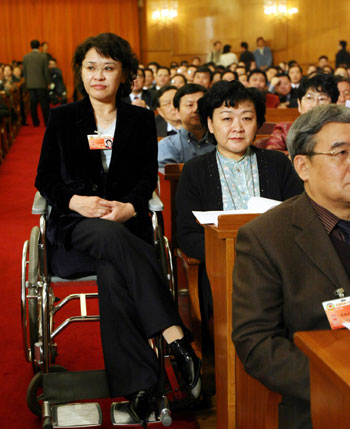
121 417
82 415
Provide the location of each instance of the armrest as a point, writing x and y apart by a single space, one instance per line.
39 206
155 203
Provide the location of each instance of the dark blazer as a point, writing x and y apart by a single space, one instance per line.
199 188
285 267
67 166
162 126
35 70
145 96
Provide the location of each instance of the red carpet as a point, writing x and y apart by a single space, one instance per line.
79 345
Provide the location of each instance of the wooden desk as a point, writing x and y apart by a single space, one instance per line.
242 402
328 353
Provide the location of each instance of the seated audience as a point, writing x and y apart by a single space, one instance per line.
282 86
257 79
228 57
167 121
292 259
228 176
319 89
149 77
139 96
327 69
229 75
295 72
191 140
216 76
311 70
322 61
178 80
271 72
196 61
341 71
203 76
189 73
162 77
243 78
343 85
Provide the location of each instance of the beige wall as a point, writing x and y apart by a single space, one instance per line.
316 30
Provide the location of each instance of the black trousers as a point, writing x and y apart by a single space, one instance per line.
39 95
135 303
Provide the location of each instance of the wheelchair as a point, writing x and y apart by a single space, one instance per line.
54 393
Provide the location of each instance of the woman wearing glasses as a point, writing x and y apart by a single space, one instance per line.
100 220
315 91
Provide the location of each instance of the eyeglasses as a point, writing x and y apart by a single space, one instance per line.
339 155
316 99
108 69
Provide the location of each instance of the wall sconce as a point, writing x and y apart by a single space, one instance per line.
279 9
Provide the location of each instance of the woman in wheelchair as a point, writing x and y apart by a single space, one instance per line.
99 198
235 171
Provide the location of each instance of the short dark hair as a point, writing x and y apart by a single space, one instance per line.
226 49
323 57
160 92
257 71
296 65
244 45
107 45
204 69
230 71
35 44
140 69
189 88
163 68
260 38
343 44
148 69
153 63
230 94
179 74
283 75
321 82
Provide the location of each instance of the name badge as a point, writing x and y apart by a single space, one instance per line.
100 142
338 312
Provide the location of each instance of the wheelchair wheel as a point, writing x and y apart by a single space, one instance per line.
35 390
33 304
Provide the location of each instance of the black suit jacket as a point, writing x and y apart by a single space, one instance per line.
67 166
145 96
162 126
285 267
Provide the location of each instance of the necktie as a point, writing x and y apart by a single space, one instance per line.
344 226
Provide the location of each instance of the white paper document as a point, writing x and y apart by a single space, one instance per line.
255 205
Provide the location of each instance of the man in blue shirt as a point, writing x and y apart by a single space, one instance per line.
191 140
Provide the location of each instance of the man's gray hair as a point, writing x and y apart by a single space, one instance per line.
300 138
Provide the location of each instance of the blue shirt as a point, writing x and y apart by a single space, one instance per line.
182 147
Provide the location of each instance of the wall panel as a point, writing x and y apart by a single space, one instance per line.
64 24
316 30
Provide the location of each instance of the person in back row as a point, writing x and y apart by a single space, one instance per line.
191 140
258 79
167 121
317 90
226 178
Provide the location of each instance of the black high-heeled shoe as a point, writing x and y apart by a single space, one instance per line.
188 363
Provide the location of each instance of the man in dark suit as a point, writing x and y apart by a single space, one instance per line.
139 96
167 120
292 259
37 77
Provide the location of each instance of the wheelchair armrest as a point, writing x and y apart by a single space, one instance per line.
39 206
155 203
